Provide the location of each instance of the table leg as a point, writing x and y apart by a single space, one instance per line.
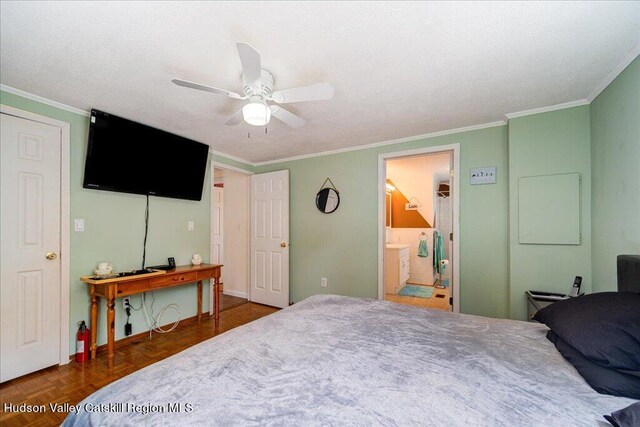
216 292
199 300
111 321
93 322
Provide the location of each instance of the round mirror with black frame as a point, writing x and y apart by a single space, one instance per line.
327 200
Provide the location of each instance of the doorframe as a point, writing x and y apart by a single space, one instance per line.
65 218
382 175
218 165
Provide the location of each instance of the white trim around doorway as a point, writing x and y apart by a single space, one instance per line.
218 165
382 174
65 215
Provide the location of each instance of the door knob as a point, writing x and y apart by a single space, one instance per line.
50 255
283 245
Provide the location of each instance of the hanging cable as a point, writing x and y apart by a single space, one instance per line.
146 231
127 327
152 321
136 309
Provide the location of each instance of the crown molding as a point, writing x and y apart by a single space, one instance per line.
635 52
75 110
628 59
220 165
388 142
43 100
562 106
230 157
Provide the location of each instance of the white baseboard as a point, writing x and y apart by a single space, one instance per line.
233 293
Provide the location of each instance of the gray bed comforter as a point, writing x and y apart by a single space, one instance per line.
332 360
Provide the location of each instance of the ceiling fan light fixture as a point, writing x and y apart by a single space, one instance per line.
257 89
256 113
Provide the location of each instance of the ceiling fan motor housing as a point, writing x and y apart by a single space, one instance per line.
264 90
257 88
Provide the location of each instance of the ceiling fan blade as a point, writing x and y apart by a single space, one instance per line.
234 120
198 86
251 66
286 117
315 92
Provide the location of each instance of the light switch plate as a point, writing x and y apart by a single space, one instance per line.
486 175
190 226
78 224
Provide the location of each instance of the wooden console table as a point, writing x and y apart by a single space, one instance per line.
118 287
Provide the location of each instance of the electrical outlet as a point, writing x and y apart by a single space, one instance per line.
323 282
190 226
126 303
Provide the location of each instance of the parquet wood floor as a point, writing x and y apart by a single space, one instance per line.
229 301
73 382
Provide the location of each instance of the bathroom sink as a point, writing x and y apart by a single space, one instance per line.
396 246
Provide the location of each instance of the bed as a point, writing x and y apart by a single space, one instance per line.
335 360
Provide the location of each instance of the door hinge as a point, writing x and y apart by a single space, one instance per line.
451 237
451 301
451 173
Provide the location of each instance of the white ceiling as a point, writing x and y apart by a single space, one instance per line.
399 69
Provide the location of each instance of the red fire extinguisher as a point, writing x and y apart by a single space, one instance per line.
82 343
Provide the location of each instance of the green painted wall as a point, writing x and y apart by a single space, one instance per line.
495 271
615 170
114 225
343 246
543 144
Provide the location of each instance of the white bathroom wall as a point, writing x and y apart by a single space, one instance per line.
413 176
420 269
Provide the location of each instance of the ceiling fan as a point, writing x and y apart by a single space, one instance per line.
257 86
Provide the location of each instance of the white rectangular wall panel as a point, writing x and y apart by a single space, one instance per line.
549 209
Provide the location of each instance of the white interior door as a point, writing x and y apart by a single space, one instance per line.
30 269
270 238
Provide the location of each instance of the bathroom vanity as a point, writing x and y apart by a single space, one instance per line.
396 267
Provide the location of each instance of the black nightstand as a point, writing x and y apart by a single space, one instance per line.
537 300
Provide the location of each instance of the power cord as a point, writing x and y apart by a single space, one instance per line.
153 321
127 327
146 231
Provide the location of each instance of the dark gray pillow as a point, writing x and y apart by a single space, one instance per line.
604 327
617 382
627 417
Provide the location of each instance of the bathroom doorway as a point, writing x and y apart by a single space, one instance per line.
418 222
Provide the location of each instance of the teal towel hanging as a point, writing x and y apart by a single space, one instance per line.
438 251
423 251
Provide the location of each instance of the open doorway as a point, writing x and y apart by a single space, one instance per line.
230 232
418 222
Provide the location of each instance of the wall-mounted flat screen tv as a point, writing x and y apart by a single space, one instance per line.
130 157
